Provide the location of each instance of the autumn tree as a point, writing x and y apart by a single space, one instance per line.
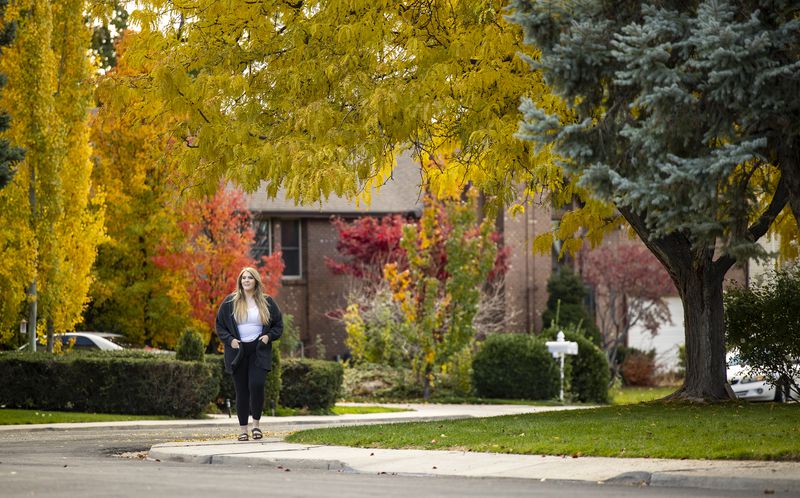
320 99
135 162
366 245
631 285
49 97
216 237
449 257
654 93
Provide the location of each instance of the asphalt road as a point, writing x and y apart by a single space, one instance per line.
112 463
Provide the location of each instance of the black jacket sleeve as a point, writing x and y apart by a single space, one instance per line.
224 322
275 328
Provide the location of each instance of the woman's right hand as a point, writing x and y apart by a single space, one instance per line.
235 343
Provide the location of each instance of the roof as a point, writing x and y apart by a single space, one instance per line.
400 194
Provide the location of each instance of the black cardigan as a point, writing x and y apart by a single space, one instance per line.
227 330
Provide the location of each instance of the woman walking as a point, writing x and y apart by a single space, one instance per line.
248 321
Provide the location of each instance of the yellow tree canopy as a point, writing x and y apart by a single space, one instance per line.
320 97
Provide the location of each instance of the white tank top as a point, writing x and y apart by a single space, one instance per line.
251 328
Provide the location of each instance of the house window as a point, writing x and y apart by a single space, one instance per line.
290 246
286 233
262 245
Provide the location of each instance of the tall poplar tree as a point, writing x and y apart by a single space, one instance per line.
49 95
678 114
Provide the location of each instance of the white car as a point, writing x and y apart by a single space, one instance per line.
751 386
83 341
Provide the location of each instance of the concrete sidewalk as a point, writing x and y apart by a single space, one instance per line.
781 477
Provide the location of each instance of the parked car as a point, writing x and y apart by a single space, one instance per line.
751 386
85 341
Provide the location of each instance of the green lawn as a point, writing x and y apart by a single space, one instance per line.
656 430
10 416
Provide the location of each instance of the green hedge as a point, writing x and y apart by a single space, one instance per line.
107 383
514 366
311 384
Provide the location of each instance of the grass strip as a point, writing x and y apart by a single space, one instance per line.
10 416
733 430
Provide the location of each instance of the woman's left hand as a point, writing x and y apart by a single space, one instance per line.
264 339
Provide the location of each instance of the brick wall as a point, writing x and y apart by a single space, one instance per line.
326 291
528 273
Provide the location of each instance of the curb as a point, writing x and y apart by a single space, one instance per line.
627 479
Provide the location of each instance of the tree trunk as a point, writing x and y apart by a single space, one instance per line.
698 278
50 335
32 311
789 162
701 295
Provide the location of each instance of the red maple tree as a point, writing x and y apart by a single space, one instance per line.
217 237
630 285
368 243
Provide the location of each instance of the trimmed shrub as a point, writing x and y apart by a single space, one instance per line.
105 383
272 389
514 366
226 389
311 384
190 346
587 372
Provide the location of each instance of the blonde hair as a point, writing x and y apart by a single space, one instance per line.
240 302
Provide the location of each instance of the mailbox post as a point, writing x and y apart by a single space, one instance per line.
559 348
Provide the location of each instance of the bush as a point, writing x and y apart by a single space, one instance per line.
107 383
514 366
762 323
456 377
369 380
190 346
311 384
639 368
587 372
272 389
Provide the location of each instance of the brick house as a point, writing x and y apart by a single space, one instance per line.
306 236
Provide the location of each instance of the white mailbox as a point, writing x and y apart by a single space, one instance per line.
559 348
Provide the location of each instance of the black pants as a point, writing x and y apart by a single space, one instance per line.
249 382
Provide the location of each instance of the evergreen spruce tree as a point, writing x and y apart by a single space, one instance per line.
9 154
566 305
683 116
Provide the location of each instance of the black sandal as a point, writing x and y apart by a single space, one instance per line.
243 436
257 434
